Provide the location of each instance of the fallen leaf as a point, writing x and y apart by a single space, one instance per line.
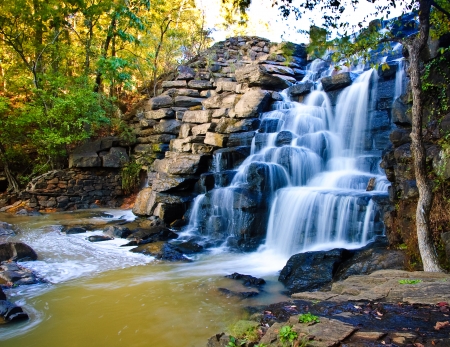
440 325
417 344
442 303
379 314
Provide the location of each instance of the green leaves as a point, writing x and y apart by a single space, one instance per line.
308 318
287 334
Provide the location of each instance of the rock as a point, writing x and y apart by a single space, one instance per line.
284 138
387 70
73 230
154 234
17 275
311 270
165 183
160 250
159 114
162 101
117 231
247 280
371 260
144 202
338 81
269 125
226 86
371 185
116 157
300 88
10 312
196 84
187 101
399 112
215 139
446 240
220 101
6 229
219 340
252 103
2 295
198 117
202 129
231 157
399 137
278 69
185 73
169 126
174 84
241 139
228 125
243 295
84 157
16 251
258 76
179 164
189 247
99 238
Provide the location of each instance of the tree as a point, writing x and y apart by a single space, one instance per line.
427 10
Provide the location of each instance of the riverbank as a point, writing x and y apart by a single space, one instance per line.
385 308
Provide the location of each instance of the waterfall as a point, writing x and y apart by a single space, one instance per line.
400 80
306 177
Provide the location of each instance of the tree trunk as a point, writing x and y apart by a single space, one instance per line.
425 241
13 185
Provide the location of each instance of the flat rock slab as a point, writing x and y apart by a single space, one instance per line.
388 285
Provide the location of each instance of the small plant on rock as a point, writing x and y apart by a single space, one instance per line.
286 334
308 318
409 281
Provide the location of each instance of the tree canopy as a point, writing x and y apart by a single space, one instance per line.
67 67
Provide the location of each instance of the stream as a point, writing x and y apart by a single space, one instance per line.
100 294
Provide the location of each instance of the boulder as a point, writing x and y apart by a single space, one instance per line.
187 101
226 86
11 313
159 114
179 164
258 76
388 70
220 101
200 84
231 157
252 103
164 183
284 138
189 247
147 201
116 157
117 231
6 229
169 126
230 125
247 280
185 72
202 129
399 136
161 101
86 156
311 270
269 125
301 88
199 117
16 251
158 233
160 250
99 238
400 114
17 275
215 139
278 69
174 84
338 81
241 139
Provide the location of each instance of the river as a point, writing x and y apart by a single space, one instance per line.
100 294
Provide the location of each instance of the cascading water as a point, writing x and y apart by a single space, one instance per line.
311 167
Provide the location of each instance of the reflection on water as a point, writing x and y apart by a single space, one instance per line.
102 295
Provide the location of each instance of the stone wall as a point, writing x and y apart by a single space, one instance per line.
209 106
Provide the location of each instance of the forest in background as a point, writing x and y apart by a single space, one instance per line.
69 68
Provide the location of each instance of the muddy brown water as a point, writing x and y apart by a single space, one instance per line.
100 294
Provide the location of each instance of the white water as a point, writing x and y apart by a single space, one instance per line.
315 179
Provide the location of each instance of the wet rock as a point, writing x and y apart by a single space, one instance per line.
338 81
241 139
2 295
117 231
16 251
387 70
269 125
247 280
189 247
161 250
73 230
399 137
284 138
6 229
311 270
400 114
99 238
155 234
230 158
219 340
11 313
243 295
301 88
13 273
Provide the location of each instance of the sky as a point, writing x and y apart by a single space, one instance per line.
266 21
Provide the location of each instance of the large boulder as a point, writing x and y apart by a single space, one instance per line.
301 88
338 81
179 163
117 231
6 229
16 251
258 76
158 233
116 157
311 270
9 312
160 250
252 103
13 273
